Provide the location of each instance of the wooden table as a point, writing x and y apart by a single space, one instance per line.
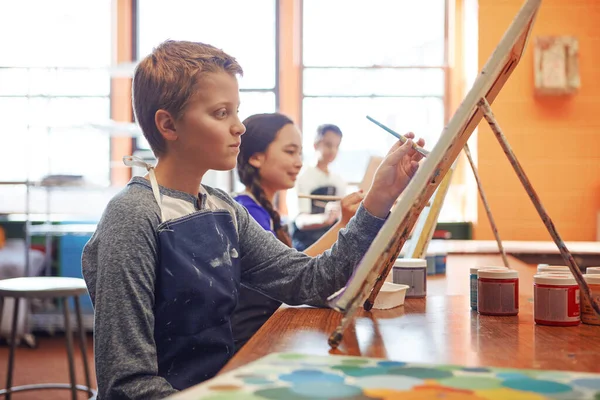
586 254
439 329
515 247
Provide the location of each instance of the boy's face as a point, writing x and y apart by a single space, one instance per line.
209 130
327 148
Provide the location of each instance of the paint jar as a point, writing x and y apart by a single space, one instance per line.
588 315
542 268
497 292
556 300
592 270
430 259
411 272
473 282
440 263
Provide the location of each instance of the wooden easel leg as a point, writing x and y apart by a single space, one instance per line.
335 338
485 108
486 205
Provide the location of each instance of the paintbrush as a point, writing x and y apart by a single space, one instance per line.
323 197
319 197
419 149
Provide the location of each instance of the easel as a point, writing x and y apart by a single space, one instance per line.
427 226
369 276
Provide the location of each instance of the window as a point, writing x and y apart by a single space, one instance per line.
383 58
53 85
248 34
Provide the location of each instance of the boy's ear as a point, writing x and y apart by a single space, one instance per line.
165 123
257 160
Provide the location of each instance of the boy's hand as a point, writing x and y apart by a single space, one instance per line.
350 204
392 176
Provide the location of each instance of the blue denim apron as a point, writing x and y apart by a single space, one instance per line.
197 283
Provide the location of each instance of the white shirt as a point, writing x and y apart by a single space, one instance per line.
311 179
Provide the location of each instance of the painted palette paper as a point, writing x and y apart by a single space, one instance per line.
304 377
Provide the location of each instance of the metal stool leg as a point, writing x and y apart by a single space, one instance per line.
1 308
1 315
82 343
69 337
13 346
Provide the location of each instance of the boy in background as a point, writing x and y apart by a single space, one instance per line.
315 217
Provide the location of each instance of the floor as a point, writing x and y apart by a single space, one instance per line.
47 363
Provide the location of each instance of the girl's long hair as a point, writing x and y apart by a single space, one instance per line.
261 131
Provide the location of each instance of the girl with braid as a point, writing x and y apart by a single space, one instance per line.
269 161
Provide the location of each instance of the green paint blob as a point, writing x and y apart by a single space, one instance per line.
361 371
355 361
277 394
237 395
471 382
292 356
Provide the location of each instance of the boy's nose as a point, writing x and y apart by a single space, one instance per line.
239 129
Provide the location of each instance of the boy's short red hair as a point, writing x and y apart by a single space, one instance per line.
168 78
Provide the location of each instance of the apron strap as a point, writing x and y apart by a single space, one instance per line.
132 161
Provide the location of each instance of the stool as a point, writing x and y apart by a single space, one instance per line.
47 288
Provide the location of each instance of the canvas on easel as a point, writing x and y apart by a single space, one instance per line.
425 225
367 180
381 255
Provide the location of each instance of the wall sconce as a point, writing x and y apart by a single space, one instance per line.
556 65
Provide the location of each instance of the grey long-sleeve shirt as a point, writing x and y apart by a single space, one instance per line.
119 266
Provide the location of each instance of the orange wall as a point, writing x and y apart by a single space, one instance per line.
557 140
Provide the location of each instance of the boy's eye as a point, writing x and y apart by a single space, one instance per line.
221 113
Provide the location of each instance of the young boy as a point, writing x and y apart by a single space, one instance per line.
316 217
166 262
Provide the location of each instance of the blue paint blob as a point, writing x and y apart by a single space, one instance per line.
588 383
537 386
310 376
327 390
511 375
391 364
